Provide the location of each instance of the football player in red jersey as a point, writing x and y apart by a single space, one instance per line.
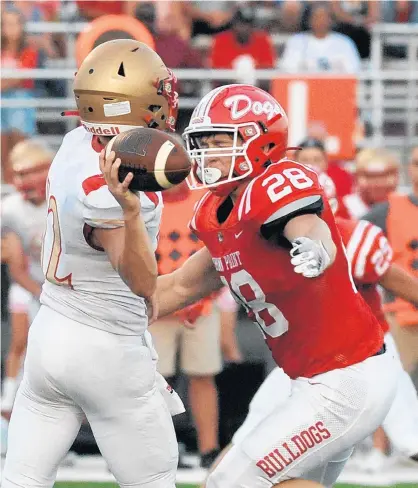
271 237
370 256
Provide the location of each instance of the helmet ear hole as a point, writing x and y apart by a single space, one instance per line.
121 70
154 108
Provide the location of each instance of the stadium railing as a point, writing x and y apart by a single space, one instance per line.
387 94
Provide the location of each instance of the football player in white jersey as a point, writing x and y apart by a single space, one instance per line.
22 222
89 352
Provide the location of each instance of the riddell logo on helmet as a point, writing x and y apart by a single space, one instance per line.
111 131
241 105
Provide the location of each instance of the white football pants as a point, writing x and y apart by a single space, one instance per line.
306 428
73 370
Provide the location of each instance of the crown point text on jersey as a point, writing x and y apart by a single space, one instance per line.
229 261
111 131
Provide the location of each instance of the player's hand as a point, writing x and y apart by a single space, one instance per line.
109 166
152 308
190 314
309 257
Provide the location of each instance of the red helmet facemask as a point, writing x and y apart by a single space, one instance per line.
257 126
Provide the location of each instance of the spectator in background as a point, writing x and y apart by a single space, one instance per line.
312 153
290 14
191 18
173 49
22 224
398 217
38 11
354 19
376 176
16 123
243 47
91 9
399 11
320 49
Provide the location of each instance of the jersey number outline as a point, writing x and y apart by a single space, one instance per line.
56 250
382 257
296 177
269 318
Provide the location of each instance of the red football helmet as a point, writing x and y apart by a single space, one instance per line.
257 125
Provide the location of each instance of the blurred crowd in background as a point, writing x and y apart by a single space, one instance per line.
218 364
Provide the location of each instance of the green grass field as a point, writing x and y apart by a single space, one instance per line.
114 485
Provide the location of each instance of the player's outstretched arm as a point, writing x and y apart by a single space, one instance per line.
194 280
400 283
313 248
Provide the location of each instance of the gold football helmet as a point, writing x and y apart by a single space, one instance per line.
376 161
377 174
123 84
30 162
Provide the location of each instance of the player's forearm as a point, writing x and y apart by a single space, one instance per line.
314 228
400 283
137 264
173 296
25 281
196 279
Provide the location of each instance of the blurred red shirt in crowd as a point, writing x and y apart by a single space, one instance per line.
25 59
92 9
243 40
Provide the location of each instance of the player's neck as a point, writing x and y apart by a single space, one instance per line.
104 140
238 192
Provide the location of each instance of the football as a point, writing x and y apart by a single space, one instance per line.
157 159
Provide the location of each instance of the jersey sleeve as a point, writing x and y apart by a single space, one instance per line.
284 190
369 252
100 208
378 214
151 212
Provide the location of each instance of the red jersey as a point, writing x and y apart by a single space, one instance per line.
370 256
226 49
311 325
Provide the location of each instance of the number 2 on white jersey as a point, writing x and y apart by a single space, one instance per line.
270 319
56 249
295 176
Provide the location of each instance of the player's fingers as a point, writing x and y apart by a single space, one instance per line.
102 160
189 325
109 161
114 171
301 258
154 314
309 270
152 306
127 181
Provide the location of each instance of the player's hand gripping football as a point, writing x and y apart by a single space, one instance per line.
128 200
309 257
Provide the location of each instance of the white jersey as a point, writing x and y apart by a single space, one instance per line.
80 281
355 205
28 222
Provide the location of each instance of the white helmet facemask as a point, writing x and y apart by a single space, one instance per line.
205 176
